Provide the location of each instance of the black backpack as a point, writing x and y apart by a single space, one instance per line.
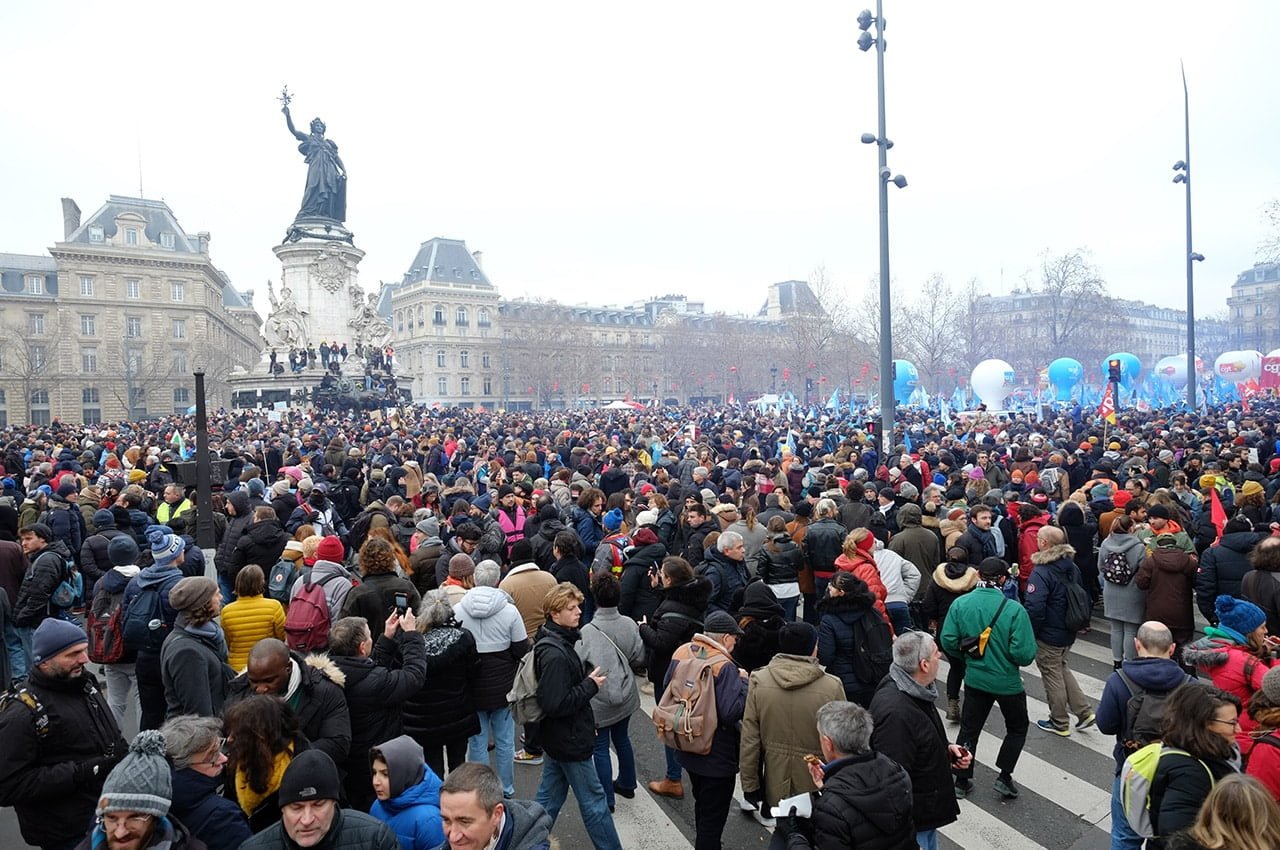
872 648
1143 713
1079 608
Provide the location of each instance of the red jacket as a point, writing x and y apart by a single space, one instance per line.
1027 546
1234 669
865 568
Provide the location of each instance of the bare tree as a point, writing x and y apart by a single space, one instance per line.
978 337
1269 250
930 335
31 358
1073 297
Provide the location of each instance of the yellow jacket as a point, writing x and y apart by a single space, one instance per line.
245 622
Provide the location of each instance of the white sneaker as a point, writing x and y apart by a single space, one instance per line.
768 823
746 806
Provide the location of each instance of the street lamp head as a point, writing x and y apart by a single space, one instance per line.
865 20
1199 258
865 41
1180 178
885 174
888 144
900 181
869 139
1180 165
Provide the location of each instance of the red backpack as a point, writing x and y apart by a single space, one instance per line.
104 624
306 626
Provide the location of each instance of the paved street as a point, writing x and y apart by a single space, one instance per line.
1065 783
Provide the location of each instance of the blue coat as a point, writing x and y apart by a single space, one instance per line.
836 640
415 814
589 528
211 817
1156 675
1046 600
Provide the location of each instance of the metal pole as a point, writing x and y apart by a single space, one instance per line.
1192 377
204 489
887 401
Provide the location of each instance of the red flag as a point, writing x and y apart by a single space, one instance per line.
1216 513
1107 410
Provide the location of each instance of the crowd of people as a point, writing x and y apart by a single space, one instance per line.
399 615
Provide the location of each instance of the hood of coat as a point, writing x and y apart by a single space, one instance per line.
1053 554
549 528
154 576
956 578
790 672
758 601
908 514
1155 674
406 769
949 526
851 606
694 593
320 664
1239 541
1209 652
264 531
483 602
239 499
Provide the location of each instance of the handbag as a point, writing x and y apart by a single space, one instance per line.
976 646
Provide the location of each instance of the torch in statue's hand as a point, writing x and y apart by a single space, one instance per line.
285 99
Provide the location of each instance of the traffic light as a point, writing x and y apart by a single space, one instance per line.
1113 370
808 384
893 370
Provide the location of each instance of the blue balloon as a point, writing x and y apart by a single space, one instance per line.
906 381
1064 374
1130 368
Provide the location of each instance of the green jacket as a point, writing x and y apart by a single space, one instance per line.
1012 644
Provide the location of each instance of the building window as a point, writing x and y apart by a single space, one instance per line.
132 287
645 339
177 290
96 234
437 317
465 386
35 324
133 359
138 402
442 386
91 405
181 400
89 325
485 360
39 356
440 359
88 360
4 413
180 362
464 359
86 287
131 236
40 407
482 317
617 339
133 327
35 285
460 316
179 328
166 240
617 387
487 384
1257 309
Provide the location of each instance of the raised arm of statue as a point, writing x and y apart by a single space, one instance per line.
288 120
271 296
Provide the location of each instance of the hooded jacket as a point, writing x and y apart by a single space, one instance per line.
443 709
224 558
323 717
761 619
675 621
1234 669
865 568
865 802
413 809
1012 644
66 522
335 591
950 581
900 576
917 544
728 581
261 543
1222 567
612 643
1126 602
94 561
1168 575
543 540
567 729
160 578
1046 598
211 817
639 597
1153 675
501 640
42 577
777 724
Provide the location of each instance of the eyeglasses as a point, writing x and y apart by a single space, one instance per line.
113 822
1234 723
218 756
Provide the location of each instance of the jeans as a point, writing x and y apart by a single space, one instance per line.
626 758
927 839
712 796
227 586
17 641
504 739
674 770
150 690
122 681
1122 635
558 777
811 607
789 607
973 716
1122 835
899 617
1060 688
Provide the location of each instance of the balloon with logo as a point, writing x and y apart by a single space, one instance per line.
1130 368
992 380
1064 374
906 380
1237 367
1172 370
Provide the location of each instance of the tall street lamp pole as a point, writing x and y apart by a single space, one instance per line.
885 177
204 483
1183 167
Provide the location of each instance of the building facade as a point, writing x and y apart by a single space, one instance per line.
1253 308
112 324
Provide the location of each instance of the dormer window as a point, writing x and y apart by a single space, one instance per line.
166 240
96 235
131 236
35 285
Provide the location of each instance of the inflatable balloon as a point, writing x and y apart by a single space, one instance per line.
1236 367
1172 370
992 380
906 382
1130 368
1064 374
1274 353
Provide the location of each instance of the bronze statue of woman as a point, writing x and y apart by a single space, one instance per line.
325 195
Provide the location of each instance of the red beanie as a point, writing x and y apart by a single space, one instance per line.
1121 498
330 549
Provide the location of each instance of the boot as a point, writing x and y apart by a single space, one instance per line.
953 711
673 788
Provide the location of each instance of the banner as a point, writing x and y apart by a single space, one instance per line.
1107 409
1270 373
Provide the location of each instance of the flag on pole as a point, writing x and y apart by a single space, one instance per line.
833 403
944 412
1107 409
1216 513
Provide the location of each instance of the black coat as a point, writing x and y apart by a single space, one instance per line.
94 562
374 598
779 567
909 731
45 778
1222 568
261 544
576 573
38 584
837 616
542 542
211 817
639 597
728 581
323 717
1178 788
375 692
676 620
195 672
443 708
694 539
568 729
865 802
823 543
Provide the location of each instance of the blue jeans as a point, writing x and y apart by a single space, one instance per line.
504 740
789 607
674 770
227 588
1122 835
17 642
899 617
626 758
927 839
558 777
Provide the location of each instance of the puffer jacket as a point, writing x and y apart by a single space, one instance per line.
950 581
568 727
94 562
261 543
224 558
1046 598
1222 567
612 643
676 620
39 582
323 717
782 566
837 616
865 802
866 569
1168 576
495 622
443 709
67 523
350 830
1178 790
900 576
248 620
413 809
639 597
823 546
543 542
908 730
728 581
1234 669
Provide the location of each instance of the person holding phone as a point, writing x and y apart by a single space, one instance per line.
382 590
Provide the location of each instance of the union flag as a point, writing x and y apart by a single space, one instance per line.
1107 410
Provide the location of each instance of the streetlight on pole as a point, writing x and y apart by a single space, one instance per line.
204 477
1183 167
885 177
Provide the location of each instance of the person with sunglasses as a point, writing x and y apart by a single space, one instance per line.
198 752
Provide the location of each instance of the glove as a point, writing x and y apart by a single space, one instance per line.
755 798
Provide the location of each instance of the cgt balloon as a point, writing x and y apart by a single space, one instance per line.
906 380
1236 367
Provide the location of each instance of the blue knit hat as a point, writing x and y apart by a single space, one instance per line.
1238 615
52 636
165 547
612 521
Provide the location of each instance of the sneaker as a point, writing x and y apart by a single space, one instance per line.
1005 788
1047 725
646 687
746 806
767 823
526 757
964 787
672 788
1087 720
953 711
628 793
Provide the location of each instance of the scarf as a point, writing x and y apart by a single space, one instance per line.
988 541
210 631
250 799
911 687
293 693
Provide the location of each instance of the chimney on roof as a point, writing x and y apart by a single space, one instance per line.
478 256
70 218
202 242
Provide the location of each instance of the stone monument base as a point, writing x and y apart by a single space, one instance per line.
323 279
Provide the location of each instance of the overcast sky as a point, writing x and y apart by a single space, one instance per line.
606 152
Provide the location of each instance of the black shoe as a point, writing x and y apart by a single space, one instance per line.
1005 788
964 787
629 793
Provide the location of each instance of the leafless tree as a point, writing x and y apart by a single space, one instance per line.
930 335
1269 250
31 358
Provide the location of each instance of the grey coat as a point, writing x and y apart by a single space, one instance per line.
1126 603
618 697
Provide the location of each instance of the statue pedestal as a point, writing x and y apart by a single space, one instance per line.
323 275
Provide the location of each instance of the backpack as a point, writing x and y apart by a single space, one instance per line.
70 591
1116 568
617 550
872 648
144 625
280 580
1136 778
522 699
1079 613
1143 713
685 716
104 624
306 626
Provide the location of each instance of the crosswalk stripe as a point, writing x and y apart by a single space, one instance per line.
978 828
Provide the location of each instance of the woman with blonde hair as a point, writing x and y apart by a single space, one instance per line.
1238 814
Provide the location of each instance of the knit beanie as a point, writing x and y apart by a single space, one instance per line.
52 636
461 565
1239 615
192 593
141 782
103 519
280 488
122 550
165 547
1271 685
256 488
612 521
330 549
797 639
991 568
311 775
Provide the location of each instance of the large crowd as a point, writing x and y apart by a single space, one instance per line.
402 611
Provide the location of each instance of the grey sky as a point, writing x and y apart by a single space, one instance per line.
605 152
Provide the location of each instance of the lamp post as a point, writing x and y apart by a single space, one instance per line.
204 487
1183 167
885 177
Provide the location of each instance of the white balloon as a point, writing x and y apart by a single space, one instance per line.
1173 369
992 380
1274 353
1236 367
